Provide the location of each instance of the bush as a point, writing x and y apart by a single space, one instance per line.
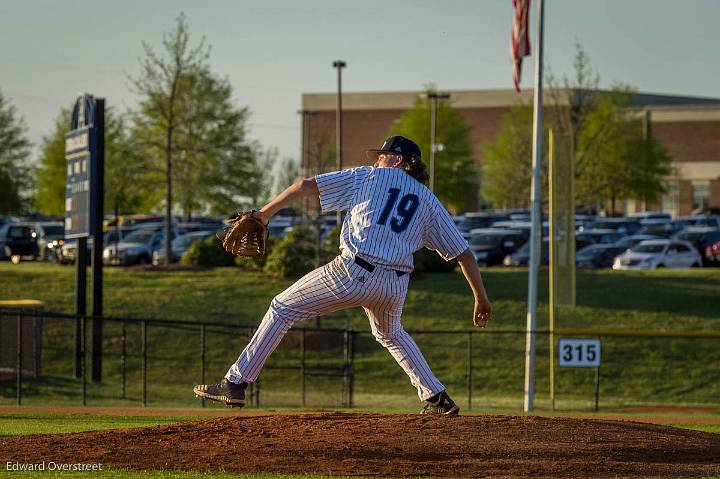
294 255
331 245
208 252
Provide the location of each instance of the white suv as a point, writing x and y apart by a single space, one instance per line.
654 254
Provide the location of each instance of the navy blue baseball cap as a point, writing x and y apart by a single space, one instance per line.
397 145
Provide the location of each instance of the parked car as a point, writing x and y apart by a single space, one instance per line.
662 253
625 226
524 226
186 228
489 246
700 238
179 246
583 219
17 241
628 242
48 236
67 252
711 256
521 257
652 215
603 236
135 220
477 220
699 221
136 248
597 256
663 228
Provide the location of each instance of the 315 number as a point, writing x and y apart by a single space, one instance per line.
579 352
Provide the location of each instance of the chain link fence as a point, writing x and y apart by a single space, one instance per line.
149 362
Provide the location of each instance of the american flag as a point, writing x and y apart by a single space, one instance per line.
519 41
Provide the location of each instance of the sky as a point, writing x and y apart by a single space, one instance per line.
273 51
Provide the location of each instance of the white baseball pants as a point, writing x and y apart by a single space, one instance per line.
338 285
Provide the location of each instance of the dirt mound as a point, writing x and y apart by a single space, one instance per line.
388 445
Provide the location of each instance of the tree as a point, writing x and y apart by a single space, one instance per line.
287 172
15 173
613 158
507 169
52 171
126 188
159 84
189 128
455 171
123 182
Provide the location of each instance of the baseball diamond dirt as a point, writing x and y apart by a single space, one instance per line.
388 445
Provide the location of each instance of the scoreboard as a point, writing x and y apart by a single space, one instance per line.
80 156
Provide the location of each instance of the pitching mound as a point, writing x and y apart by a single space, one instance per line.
389 445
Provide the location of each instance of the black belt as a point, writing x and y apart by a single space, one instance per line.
369 267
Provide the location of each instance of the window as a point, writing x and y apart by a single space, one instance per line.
19 232
701 196
671 198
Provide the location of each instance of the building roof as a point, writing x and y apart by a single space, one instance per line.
404 100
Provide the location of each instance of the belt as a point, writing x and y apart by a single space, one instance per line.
369 267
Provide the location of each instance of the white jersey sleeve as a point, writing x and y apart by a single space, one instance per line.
338 187
441 234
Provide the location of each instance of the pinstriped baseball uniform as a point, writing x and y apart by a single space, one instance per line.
389 216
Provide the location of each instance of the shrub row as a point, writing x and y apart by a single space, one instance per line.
294 255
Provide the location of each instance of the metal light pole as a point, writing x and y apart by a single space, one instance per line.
339 65
433 97
536 231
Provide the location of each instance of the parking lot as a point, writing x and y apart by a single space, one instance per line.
647 240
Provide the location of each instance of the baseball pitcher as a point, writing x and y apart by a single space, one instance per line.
389 215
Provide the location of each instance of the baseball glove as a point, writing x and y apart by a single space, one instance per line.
245 235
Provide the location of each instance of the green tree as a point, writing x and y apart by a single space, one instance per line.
126 188
613 158
123 184
507 168
159 85
456 175
190 130
217 165
15 173
52 171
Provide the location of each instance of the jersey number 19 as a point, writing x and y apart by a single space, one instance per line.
406 208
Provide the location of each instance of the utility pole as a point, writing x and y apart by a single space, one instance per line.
433 97
339 65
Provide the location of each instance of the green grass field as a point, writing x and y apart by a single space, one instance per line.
634 371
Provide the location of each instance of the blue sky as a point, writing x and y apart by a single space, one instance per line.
273 51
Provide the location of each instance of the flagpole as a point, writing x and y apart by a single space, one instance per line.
536 217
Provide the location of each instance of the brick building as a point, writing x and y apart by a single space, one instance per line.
688 127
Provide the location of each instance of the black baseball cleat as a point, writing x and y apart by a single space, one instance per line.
441 404
229 393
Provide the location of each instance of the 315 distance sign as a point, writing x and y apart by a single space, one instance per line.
579 353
